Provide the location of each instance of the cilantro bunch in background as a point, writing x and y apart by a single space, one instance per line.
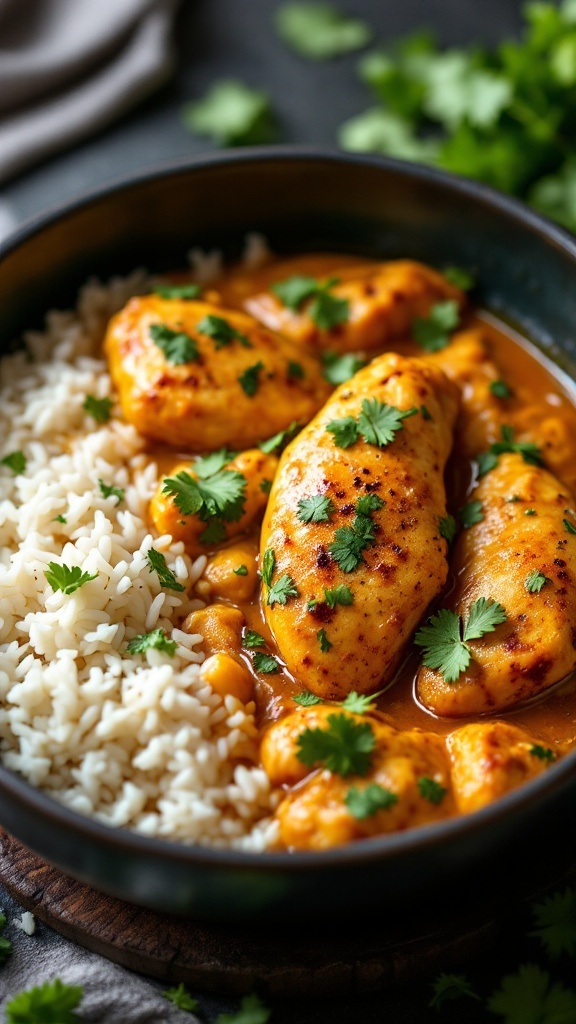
505 116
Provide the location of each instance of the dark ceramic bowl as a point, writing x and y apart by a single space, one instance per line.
304 200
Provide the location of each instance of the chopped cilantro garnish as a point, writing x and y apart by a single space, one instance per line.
363 803
282 590
426 414
16 461
345 431
378 424
231 114
253 639
360 703
252 1011
316 509
177 346
431 790
324 642
307 699
338 595
216 499
544 753
60 519
530 995
343 747
446 647
265 663
349 543
325 310
67 578
240 571
448 987
339 369
368 504
485 462
530 512
529 451
459 277
555 920
268 566
280 440
221 332
209 465
249 380
295 370
181 998
156 640
293 291
568 526
157 564
471 514
319 31
109 491
265 486
500 389
535 581
53 1002
448 528
100 409
433 332
178 291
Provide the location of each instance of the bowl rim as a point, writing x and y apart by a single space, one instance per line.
378 848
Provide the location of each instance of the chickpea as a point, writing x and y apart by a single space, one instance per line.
221 627
224 581
228 676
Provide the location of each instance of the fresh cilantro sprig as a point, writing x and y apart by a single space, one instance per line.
535 581
265 663
155 640
157 564
67 578
231 114
252 1011
50 1003
216 495
278 442
16 461
316 509
471 514
100 409
351 541
249 380
307 699
433 331
253 639
500 389
338 595
181 998
378 423
529 451
177 346
325 644
531 995
221 331
542 753
340 368
344 747
360 703
555 923
319 31
364 803
280 591
448 528
110 491
325 310
446 644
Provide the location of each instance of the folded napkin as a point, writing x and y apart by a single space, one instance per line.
70 67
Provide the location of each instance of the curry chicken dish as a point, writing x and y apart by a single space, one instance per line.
381 475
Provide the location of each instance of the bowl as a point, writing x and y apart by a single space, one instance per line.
303 199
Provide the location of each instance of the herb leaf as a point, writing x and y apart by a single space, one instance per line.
338 595
316 509
100 409
307 699
448 528
448 987
293 291
433 332
530 995
544 753
338 369
16 461
483 617
368 504
209 465
177 346
431 790
265 663
155 640
471 514
555 920
109 491
500 389
344 747
324 642
327 311
360 703
178 291
268 566
232 114
279 441
282 590
319 31
181 998
535 581
363 803
252 1011
345 431
253 639
443 647
530 452
459 277
67 578
249 380
221 332
50 1003
379 423
241 570
157 564
219 496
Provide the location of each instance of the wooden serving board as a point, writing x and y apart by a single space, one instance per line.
232 960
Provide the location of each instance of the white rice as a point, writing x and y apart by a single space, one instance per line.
137 741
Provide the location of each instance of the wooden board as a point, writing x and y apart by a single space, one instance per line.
234 960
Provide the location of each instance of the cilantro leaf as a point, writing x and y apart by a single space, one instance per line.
347 547
241 570
448 528
485 462
324 642
316 509
380 131
483 617
459 277
157 564
178 291
60 519
529 451
177 346
155 640
221 332
444 649
268 566
338 369
209 465
221 495
253 639
555 194
100 409
293 291
319 31
344 747
379 423
67 578
295 370
368 504
363 803
282 590
50 1003
345 431
544 753
360 703
500 389
530 997
109 491
448 987
265 663
327 311
181 998
279 441
431 790
249 380
471 514
568 526
265 486
307 699
338 595
433 332
252 1011
16 461
535 581
231 114
555 920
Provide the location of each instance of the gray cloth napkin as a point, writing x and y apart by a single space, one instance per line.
112 994
70 67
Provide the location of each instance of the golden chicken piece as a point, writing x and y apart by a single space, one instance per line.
200 377
352 534
523 556
255 466
232 573
379 302
491 758
406 781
